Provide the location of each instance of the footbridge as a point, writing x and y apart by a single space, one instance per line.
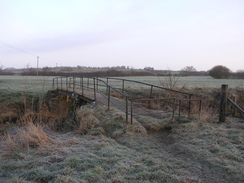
128 95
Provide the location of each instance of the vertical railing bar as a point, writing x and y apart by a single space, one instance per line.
61 83
150 96
126 108
97 82
131 113
189 105
82 84
123 86
57 83
108 97
70 82
94 83
53 83
200 108
179 109
174 108
88 83
73 84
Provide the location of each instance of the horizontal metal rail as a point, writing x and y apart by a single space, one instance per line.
240 110
95 84
147 84
189 108
148 100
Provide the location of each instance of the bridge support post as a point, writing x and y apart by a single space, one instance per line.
223 103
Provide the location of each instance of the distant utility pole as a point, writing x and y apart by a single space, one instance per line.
37 65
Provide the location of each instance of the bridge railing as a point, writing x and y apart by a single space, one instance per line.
95 85
104 87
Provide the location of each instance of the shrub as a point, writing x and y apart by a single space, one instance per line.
219 72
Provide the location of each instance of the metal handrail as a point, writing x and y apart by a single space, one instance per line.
240 110
72 82
147 84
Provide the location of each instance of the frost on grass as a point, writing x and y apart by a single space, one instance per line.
107 149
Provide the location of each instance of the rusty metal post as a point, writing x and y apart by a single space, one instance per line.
223 103
233 108
94 83
174 108
126 108
70 82
200 108
61 83
88 83
73 84
151 91
53 83
123 86
189 105
109 98
57 83
179 109
150 96
131 113
82 84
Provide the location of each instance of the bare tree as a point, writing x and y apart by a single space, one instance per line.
189 69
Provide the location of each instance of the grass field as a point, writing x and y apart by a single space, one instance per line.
191 81
42 84
102 147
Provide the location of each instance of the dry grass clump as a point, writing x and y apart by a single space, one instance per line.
86 119
208 115
154 124
135 128
26 137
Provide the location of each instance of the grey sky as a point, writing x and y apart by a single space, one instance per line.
164 34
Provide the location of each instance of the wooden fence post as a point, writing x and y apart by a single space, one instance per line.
223 103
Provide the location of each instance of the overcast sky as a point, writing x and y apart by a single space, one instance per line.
164 34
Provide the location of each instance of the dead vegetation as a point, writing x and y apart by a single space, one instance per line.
98 145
